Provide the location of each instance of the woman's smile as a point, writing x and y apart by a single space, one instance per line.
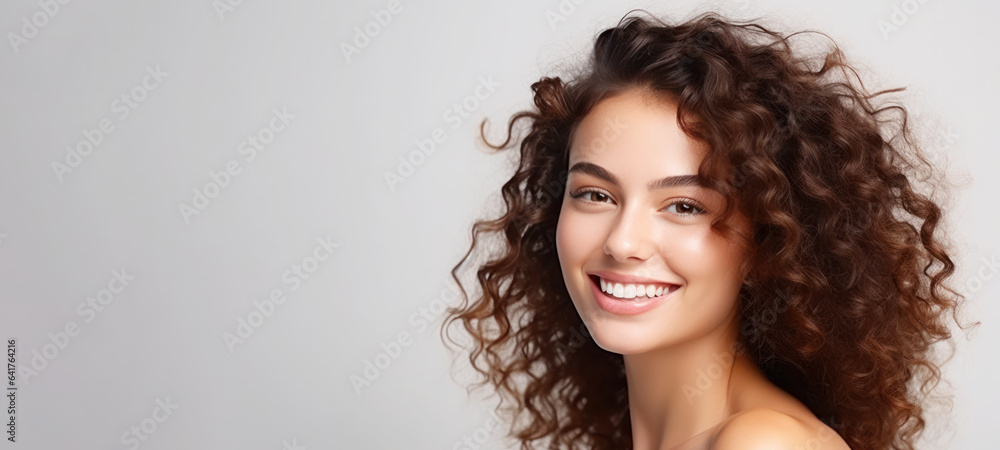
628 299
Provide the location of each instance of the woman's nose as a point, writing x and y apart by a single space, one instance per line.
630 236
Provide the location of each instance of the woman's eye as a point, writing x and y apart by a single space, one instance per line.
686 209
595 197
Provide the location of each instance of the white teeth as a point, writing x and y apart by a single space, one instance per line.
628 291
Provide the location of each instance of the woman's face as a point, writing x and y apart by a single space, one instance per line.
614 226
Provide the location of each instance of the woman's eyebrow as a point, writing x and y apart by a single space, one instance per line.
662 183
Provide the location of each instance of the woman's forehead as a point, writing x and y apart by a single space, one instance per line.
631 130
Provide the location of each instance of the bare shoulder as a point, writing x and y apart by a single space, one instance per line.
768 429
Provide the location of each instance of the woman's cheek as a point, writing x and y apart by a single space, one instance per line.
576 234
568 238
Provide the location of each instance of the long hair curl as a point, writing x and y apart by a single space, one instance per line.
845 293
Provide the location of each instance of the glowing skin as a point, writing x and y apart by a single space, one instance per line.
664 234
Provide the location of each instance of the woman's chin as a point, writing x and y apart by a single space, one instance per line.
627 341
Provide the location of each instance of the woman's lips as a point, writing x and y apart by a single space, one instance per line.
626 307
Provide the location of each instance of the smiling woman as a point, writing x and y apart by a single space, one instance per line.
751 258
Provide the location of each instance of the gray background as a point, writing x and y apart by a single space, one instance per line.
162 337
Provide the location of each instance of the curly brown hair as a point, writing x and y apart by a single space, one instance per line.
845 292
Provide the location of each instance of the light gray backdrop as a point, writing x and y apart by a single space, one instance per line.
208 234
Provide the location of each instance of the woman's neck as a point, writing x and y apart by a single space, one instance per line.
681 390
